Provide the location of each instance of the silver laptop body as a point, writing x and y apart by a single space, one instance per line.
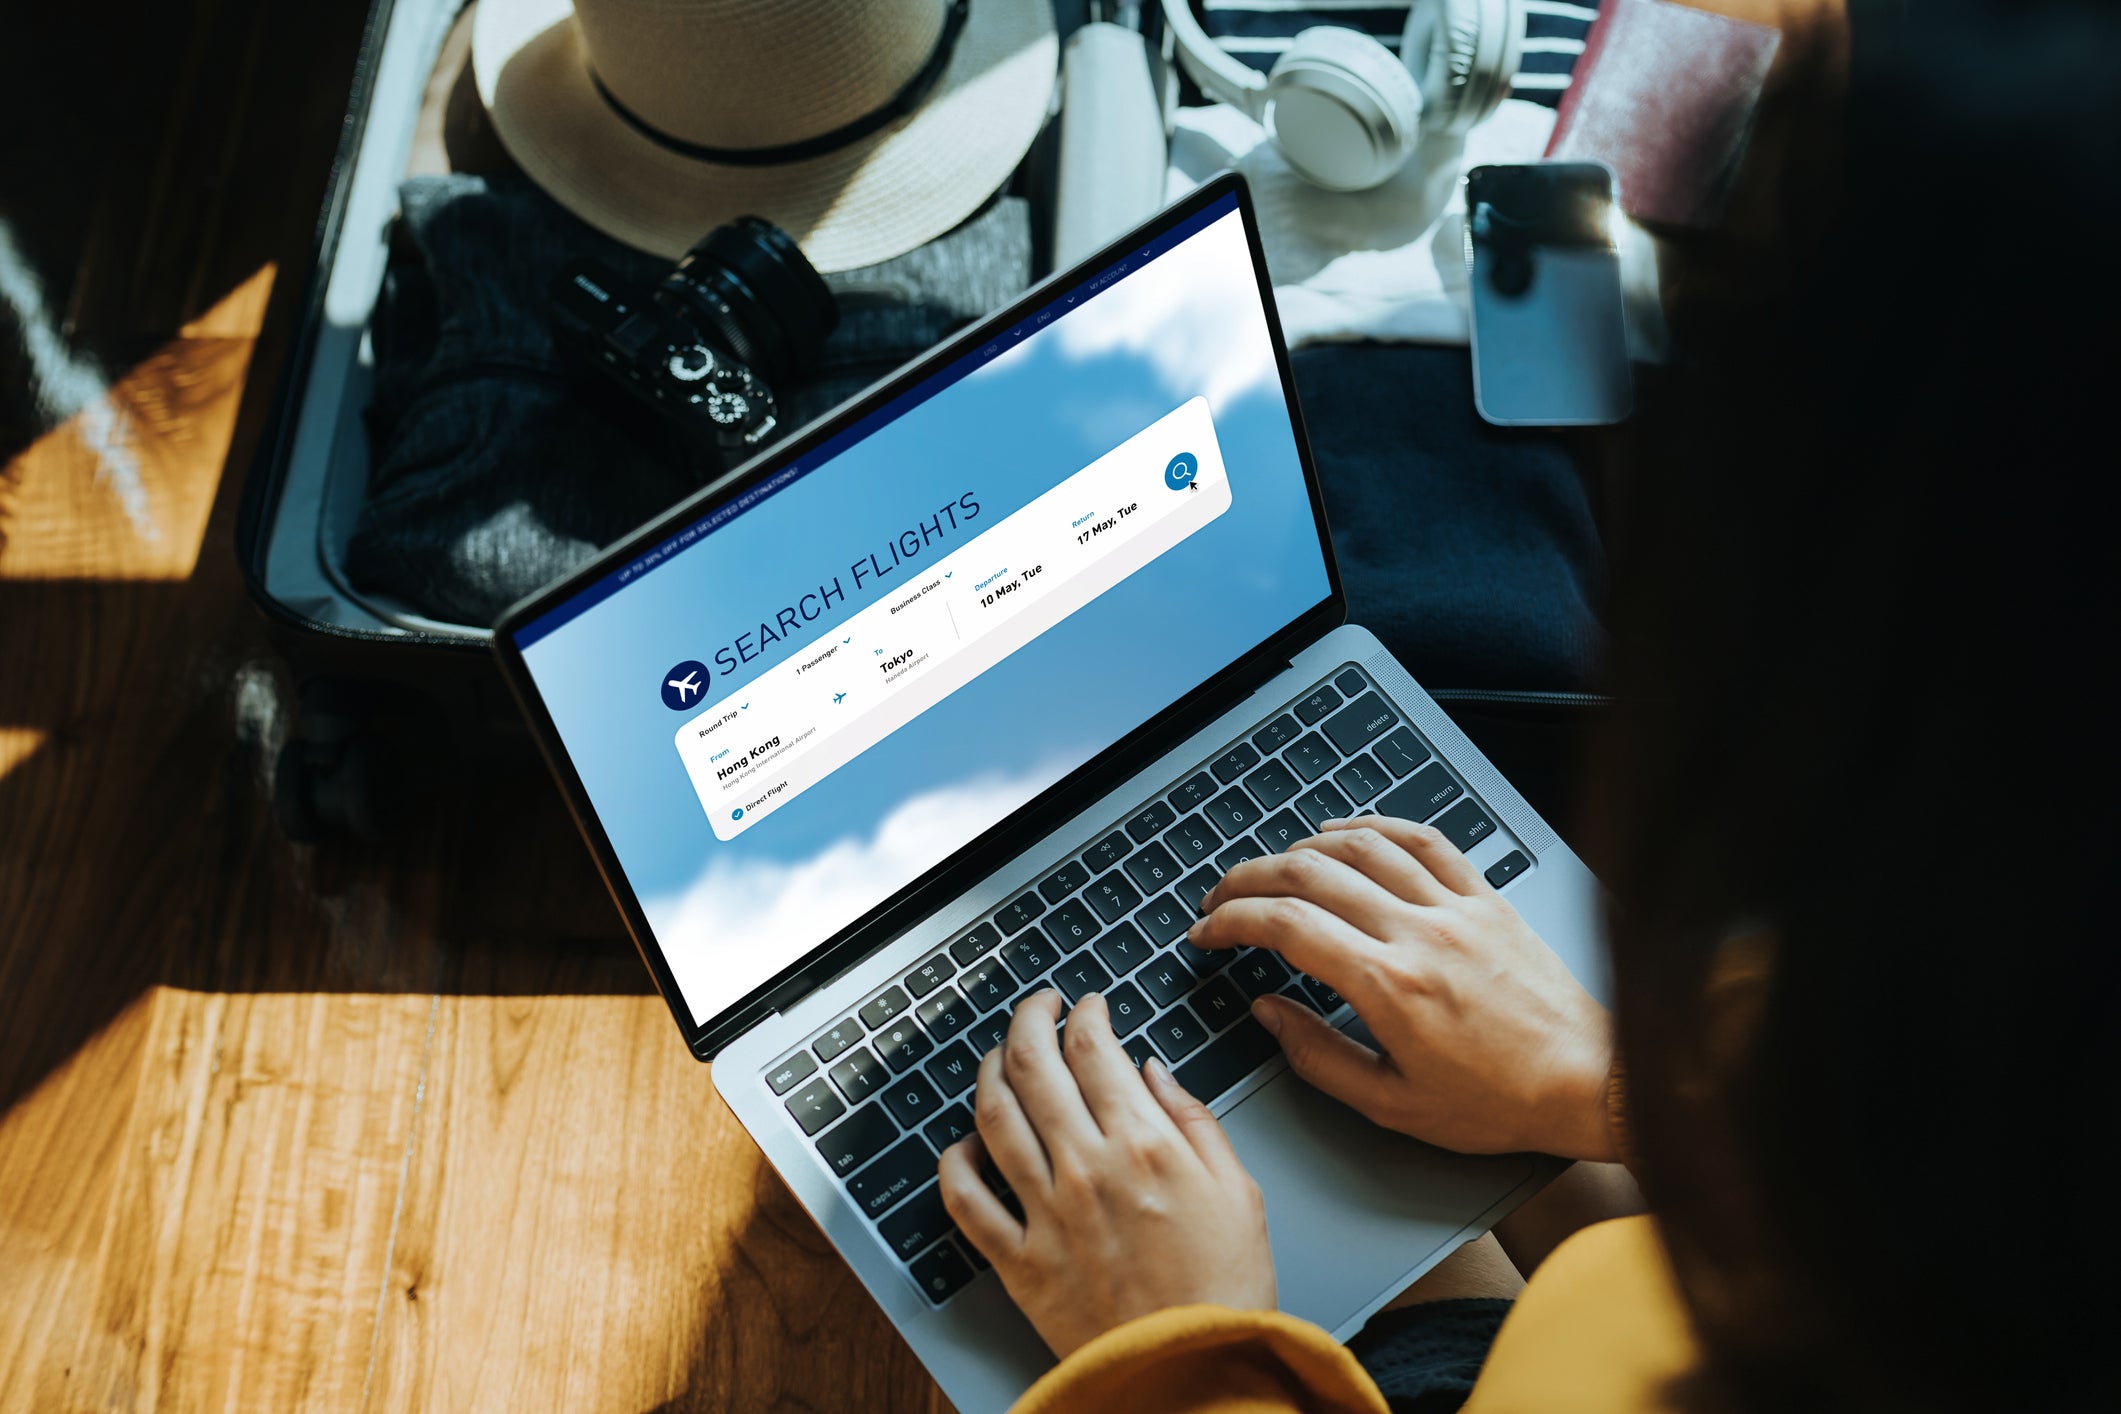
851 1068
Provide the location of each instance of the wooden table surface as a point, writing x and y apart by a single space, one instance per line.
287 1126
301 1127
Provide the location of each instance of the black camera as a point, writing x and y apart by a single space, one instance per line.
740 314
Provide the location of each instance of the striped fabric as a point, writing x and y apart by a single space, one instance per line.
1258 31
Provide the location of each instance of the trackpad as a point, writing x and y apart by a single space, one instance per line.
1352 1209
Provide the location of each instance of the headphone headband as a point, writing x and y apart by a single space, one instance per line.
1468 53
1221 77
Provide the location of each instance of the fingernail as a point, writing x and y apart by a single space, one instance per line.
1193 932
1156 1064
1268 1016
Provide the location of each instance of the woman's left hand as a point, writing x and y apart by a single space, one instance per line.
1133 1200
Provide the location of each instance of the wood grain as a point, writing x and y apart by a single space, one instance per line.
58 1160
588 1228
294 1128
196 1186
227 1252
287 1127
122 489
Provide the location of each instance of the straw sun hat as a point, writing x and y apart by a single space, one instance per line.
862 127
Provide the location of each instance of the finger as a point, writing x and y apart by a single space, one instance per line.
1378 858
1006 1133
1044 1086
1111 1086
979 1215
1332 884
1200 1129
1329 948
1344 1068
1427 844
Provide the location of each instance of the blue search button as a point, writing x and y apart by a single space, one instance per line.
1180 473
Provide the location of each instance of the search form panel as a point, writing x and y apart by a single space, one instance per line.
761 747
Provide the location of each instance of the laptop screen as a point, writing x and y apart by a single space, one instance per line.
789 710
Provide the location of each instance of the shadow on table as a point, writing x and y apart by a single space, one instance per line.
851 1356
138 847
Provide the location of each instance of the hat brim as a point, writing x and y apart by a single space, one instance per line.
896 189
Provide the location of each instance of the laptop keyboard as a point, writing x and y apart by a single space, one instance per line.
885 1089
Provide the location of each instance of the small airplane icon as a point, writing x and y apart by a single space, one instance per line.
690 683
839 697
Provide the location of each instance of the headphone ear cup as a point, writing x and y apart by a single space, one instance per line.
1343 110
1464 53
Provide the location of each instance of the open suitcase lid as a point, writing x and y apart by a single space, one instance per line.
310 477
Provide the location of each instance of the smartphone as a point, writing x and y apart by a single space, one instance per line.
1550 346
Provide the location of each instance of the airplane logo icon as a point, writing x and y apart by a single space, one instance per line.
683 684
839 697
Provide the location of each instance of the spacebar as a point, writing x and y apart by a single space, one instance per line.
1226 1061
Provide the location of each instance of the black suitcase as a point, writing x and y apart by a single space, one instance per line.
389 699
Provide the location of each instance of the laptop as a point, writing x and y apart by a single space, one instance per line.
975 687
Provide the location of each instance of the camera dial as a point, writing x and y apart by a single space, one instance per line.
691 363
706 344
739 408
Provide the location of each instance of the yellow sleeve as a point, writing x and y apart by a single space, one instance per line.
1208 1360
1599 1329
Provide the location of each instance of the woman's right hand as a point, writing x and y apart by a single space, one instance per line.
1488 1043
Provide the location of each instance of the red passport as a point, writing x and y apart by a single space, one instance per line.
1664 95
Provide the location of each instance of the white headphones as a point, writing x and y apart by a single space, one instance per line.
1346 111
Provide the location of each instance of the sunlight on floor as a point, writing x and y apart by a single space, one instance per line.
56 1149
122 489
280 1200
17 745
195 1206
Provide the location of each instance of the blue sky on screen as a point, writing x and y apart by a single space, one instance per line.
730 915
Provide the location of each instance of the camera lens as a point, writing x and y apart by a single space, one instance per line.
748 284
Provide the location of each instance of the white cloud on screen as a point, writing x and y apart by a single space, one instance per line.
1194 317
739 922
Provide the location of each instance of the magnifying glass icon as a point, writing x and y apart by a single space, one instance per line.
1181 471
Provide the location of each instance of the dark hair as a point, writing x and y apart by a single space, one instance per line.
1864 613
